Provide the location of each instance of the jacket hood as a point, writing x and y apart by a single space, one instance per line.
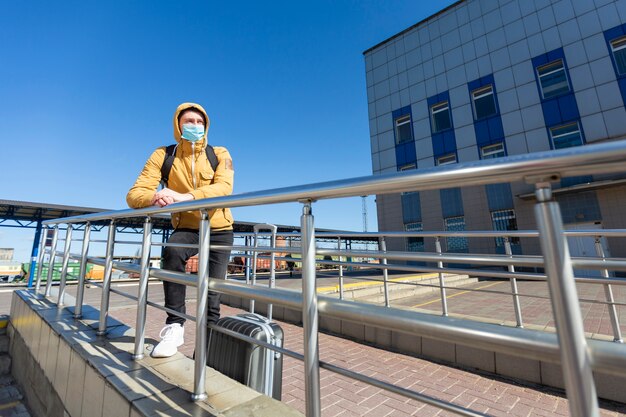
178 133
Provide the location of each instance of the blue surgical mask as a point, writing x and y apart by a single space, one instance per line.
192 133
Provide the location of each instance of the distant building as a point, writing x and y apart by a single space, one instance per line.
6 254
485 79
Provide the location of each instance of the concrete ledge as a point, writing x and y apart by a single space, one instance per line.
68 370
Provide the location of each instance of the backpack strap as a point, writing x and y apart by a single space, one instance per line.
210 155
170 155
166 167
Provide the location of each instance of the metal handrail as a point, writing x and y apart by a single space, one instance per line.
534 168
577 355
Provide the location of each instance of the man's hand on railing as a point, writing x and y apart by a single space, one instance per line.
166 196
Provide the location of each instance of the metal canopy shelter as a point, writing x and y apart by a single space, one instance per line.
26 214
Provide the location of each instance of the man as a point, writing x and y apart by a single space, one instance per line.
191 178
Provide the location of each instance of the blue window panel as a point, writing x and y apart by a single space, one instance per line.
438 147
481 82
551 112
615 32
579 207
405 154
583 179
451 202
449 141
481 128
411 208
496 132
555 54
622 88
406 110
499 196
568 107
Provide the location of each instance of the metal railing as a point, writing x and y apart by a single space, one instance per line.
568 346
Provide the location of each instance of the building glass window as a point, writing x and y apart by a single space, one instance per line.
492 151
403 129
566 136
553 79
406 167
446 159
618 47
484 102
504 220
440 117
414 244
456 224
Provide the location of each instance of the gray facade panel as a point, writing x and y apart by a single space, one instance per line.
614 121
512 123
589 24
516 144
568 31
575 54
581 77
594 127
537 140
587 101
610 96
602 70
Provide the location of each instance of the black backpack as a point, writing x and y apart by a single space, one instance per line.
168 161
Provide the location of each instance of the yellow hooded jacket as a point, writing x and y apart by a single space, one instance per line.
208 183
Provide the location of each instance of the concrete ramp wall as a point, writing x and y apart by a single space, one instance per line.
65 369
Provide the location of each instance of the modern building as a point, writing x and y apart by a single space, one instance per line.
486 79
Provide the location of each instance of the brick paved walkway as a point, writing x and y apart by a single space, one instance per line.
345 397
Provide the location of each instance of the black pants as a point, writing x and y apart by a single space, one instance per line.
175 259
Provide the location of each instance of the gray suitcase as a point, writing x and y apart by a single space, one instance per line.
253 365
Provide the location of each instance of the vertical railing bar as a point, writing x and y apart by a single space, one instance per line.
340 270
53 249
142 295
608 292
575 356
41 255
106 279
310 315
247 259
66 259
383 248
272 283
199 391
254 266
514 291
442 286
80 291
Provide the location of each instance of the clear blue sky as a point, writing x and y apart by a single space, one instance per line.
88 90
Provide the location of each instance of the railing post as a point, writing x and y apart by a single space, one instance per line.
199 392
608 292
383 248
106 280
53 249
255 256
442 288
142 295
514 291
272 283
80 291
66 259
340 270
246 262
42 254
310 315
575 358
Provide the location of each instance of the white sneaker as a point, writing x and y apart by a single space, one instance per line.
171 337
